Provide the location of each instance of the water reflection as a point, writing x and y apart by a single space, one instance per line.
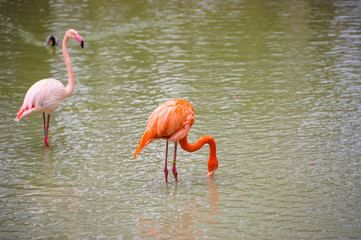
47 159
183 219
43 199
53 49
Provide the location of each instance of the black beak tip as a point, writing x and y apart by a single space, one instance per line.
82 44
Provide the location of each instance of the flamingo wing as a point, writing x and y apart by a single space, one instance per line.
172 120
45 95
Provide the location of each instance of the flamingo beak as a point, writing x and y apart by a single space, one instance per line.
80 40
210 174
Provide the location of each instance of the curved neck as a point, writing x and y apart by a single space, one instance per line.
212 162
71 81
185 145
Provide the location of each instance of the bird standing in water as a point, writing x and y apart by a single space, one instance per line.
47 94
172 121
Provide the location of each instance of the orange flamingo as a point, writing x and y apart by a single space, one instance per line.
172 121
47 94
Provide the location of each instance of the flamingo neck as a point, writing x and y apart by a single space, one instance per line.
212 162
71 81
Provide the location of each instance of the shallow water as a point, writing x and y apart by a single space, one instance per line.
276 83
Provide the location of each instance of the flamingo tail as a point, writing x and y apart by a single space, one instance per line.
25 111
20 113
146 138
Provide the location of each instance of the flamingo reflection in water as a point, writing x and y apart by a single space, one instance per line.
187 220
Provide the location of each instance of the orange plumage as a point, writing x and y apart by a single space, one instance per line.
172 121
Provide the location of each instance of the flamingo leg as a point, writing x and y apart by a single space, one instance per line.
44 125
46 131
174 170
165 165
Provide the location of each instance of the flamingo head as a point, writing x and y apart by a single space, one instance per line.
212 166
71 33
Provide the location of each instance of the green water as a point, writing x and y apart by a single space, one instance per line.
276 83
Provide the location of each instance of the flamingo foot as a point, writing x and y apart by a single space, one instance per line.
46 142
166 174
174 170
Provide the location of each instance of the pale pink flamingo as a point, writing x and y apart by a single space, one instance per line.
47 94
172 121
